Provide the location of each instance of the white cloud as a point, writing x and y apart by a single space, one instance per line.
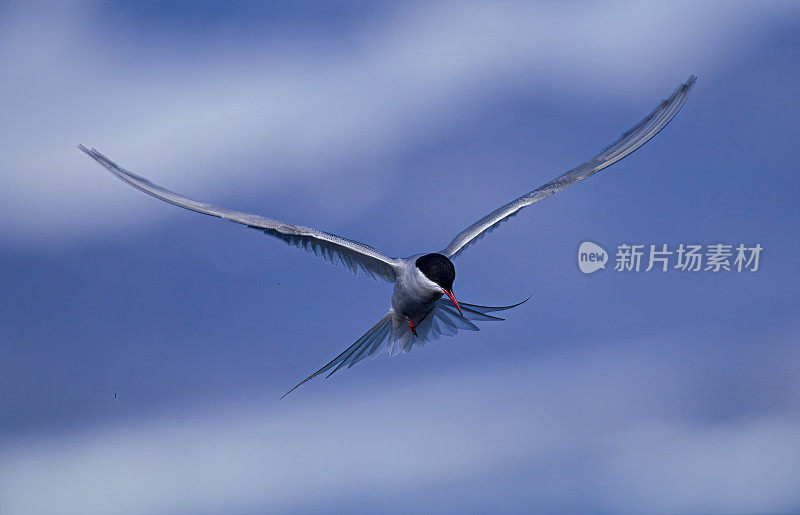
251 116
748 466
608 410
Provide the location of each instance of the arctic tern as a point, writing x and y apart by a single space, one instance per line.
419 311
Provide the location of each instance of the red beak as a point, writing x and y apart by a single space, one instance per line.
453 298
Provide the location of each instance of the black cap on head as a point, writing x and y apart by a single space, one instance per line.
438 269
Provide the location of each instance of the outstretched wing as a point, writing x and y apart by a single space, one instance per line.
632 139
352 254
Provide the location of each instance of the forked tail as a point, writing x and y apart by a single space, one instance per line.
393 333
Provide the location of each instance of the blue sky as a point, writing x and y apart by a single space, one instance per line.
612 392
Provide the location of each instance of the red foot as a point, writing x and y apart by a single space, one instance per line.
413 328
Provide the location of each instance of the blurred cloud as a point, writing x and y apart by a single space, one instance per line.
215 113
747 466
615 412
704 419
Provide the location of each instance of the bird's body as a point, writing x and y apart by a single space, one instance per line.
418 312
414 295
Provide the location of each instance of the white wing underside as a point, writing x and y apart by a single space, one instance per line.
358 256
628 142
352 254
392 334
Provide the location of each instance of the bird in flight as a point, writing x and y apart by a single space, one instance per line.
423 305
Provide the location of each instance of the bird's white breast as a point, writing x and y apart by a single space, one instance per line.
414 294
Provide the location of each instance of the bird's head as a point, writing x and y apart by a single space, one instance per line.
441 271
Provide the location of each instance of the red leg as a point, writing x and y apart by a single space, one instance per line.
413 328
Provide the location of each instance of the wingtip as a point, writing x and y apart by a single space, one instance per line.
91 152
98 156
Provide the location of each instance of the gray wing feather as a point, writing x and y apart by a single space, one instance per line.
632 139
352 254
